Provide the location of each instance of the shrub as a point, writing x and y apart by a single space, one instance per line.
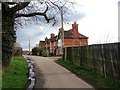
45 53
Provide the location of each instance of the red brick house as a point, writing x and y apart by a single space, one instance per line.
52 44
42 44
71 38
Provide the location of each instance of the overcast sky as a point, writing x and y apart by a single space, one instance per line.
97 19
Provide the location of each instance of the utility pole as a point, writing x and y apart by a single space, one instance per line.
29 46
62 29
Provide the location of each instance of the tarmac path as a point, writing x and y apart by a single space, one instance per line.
49 74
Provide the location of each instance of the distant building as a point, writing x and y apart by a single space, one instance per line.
42 44
71 38
26 52
17 50
52 44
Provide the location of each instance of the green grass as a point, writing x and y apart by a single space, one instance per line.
0 83
15 76
96 80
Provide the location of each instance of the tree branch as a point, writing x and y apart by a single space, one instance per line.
55 4
46 8
34 14
20 6
29 15
12 3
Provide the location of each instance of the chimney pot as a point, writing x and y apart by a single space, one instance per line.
52 35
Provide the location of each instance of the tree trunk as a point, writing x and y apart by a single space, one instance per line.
8 36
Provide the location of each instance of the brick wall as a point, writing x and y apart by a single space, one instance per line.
75 42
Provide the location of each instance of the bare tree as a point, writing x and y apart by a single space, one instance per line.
14 13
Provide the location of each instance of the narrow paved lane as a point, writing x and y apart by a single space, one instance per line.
51 75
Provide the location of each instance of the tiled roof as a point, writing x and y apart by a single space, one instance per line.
81 36
42 41
68 34
52 39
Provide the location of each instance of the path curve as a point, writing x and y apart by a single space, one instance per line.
51 75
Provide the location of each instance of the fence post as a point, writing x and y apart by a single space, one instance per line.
104 69
65 53
118 61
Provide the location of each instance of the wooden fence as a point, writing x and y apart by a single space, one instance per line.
100 58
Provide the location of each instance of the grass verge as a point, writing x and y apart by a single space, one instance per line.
15 76
96 80
0 78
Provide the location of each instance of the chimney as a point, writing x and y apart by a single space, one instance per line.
75 30
46 39
52 35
